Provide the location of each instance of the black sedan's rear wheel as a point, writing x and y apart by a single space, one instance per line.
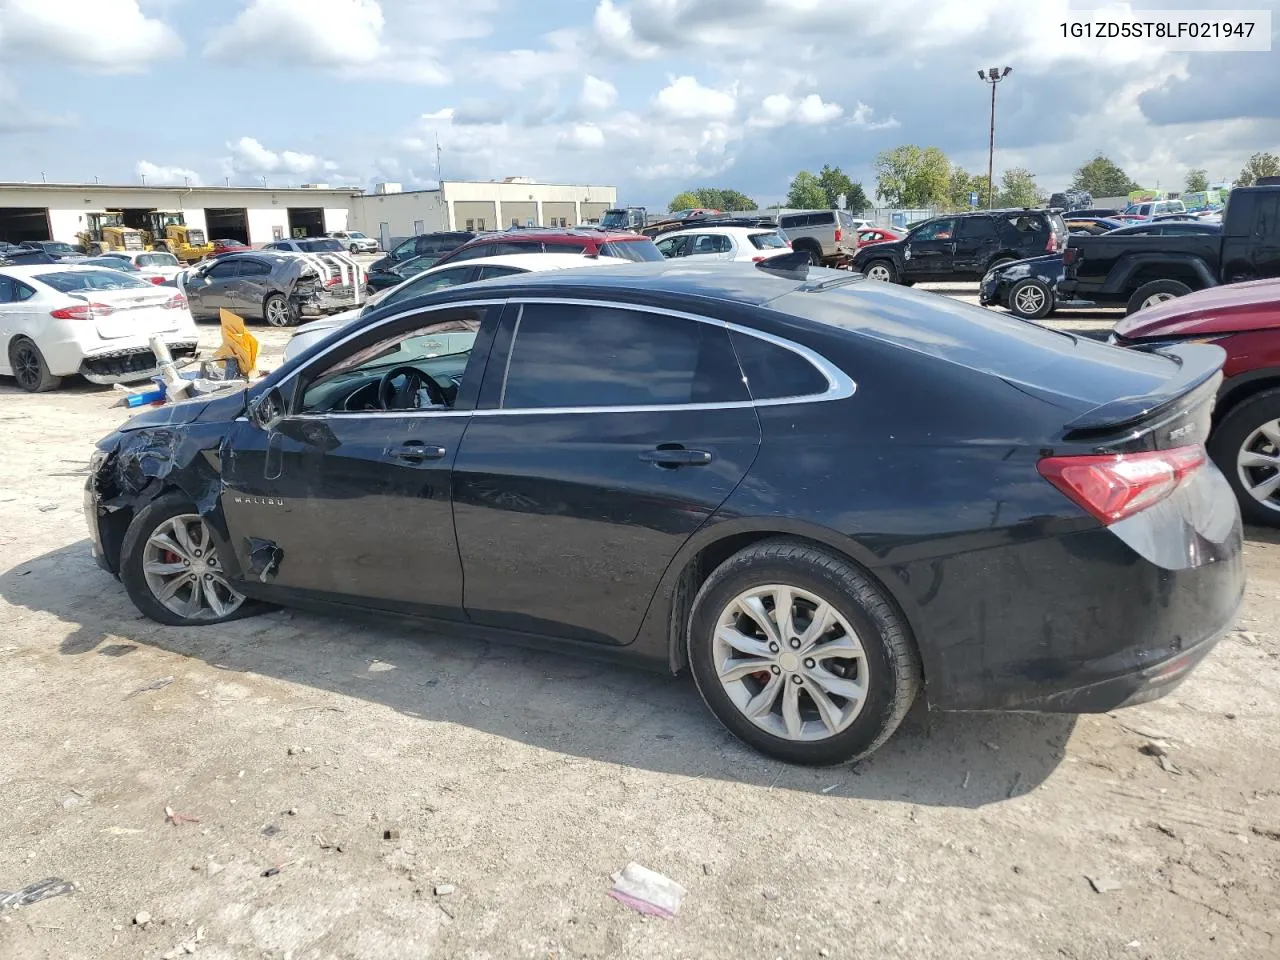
29 367
800 655
1031 299
170 566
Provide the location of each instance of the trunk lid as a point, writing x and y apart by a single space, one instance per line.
134 312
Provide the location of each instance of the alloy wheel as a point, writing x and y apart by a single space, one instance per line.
790 662
26 366
277 312
1258 464
878 272
182 571
1029 300
1155 298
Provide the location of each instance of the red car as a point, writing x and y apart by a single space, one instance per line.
229 246
868 236
1244 320
595 243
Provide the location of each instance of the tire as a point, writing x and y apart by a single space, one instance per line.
277 312
353 249
888 668
1031 299
1237 432
29 367
1157 291
142 587
815 255
883 270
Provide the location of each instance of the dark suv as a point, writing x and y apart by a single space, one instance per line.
423 245
963 246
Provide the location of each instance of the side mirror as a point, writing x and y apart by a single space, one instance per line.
268 409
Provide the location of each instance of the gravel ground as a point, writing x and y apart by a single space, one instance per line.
431 797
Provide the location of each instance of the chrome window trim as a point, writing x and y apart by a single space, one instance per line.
840 386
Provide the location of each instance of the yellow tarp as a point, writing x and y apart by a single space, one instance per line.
237 343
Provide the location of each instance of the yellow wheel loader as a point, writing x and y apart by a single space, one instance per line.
105 232
169 231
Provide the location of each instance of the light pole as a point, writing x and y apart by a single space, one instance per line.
992 76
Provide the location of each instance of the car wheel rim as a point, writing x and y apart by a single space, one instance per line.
1258 464
1029 299
182 570
1155 298
790 662
277 313
26 367
878 273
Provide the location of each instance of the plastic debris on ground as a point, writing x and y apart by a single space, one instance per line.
647 891
45 889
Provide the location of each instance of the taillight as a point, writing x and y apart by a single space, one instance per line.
839 235
1114 486
1052 245
156 280
1069 255
176 302
333 282
83 311
758 259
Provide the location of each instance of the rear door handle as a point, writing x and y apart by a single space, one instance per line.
415 451
672 457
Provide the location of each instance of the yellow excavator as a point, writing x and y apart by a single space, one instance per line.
106 232
169 231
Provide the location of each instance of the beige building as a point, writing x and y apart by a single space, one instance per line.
389 212
258 215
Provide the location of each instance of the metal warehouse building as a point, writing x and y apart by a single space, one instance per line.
258 215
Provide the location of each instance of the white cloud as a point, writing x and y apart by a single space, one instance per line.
613 30
157 174
250 156
597 94
686 99
584 136
778 109
327 33
109 36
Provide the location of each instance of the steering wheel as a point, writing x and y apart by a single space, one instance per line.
393 398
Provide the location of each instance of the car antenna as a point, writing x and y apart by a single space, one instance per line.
793 266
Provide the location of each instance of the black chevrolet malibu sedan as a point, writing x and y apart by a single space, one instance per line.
823 495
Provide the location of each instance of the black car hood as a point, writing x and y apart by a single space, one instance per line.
1048 266
877 251
225 405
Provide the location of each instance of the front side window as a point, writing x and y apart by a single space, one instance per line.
674 247
936 230
572 356
419 367
224 270
426 282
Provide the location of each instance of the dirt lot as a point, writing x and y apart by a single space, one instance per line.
372 763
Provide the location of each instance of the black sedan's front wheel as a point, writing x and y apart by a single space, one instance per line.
170 567
800 655
1031 299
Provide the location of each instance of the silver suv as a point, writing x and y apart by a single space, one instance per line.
826 235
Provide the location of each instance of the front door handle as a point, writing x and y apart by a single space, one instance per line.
415 451
676 456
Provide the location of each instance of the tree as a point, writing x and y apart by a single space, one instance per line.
836 183
911 176
1197 180
718 198
1103 178
683 201
961 184
806 193
1018 188
1259 165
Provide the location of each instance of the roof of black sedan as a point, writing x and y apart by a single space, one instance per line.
738 282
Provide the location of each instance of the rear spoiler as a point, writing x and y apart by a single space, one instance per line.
1199 374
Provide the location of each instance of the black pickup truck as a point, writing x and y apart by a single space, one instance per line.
1141 270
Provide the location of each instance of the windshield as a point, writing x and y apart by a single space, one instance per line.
77 280
355 235
58 247
615 219
640 250
112 263
157 260
319 246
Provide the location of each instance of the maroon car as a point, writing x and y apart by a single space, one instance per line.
591 243
229 246
1243 319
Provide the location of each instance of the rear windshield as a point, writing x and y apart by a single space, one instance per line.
111 263
58 248
157 260
640 250
76 280
320 246
767 241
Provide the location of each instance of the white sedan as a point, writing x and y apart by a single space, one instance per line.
150 263
62 319
744 244
446 275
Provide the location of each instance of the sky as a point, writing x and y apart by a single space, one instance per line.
653 96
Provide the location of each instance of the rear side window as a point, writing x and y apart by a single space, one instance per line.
1267 214
91 280
1027 225
12 291
711 243
640 250
596 356
773 372
977 228
496 249
254 268
491 271
789 222
768 241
